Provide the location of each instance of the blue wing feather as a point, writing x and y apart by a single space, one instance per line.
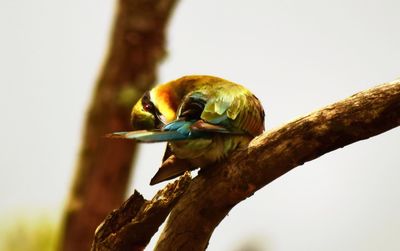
181 126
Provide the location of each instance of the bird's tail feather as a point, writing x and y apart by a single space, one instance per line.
149 136
171 168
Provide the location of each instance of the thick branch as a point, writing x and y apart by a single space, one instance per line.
216 190
132 225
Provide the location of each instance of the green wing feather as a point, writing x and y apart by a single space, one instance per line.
251 116
235 107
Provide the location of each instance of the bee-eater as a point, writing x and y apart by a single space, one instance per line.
203 119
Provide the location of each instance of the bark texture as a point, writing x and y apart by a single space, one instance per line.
132 225
213 193
136 48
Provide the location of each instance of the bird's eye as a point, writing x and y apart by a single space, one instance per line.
148 107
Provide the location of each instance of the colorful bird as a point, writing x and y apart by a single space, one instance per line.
203 119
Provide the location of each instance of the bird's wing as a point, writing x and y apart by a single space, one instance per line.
237 110
247 113
198 116
229 110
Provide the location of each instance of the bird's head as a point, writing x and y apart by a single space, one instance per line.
145 115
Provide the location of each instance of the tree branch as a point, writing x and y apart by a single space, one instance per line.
216 190
131 227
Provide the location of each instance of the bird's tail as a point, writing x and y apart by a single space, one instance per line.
171 168
149 136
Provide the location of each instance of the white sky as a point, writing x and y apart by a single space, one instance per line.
296 56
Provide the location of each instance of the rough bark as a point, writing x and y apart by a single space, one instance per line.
136 48
216 190
132 225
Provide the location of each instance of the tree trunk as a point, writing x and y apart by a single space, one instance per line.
137 46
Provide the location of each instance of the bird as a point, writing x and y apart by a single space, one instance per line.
202 118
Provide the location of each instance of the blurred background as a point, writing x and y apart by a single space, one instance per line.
296 56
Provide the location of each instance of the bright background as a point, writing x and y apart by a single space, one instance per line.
297 56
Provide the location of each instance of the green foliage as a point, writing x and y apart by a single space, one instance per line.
28 234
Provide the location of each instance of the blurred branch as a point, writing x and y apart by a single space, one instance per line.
132 225
103 169
216 190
